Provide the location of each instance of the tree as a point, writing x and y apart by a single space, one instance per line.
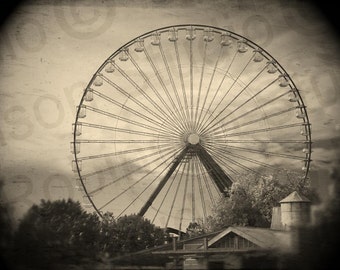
194 229
55 232
60 233
134 233
251 199
107 233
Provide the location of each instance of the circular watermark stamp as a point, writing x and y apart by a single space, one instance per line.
85 21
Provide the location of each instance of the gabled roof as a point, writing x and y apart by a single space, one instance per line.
295 197
262 237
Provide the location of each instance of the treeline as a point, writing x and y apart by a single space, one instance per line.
62 235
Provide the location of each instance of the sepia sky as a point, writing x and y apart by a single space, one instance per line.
49 50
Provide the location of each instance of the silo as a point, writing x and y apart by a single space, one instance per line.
295 211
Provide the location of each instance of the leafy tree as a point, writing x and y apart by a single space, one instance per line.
194 229
134 233
251 199
54 232
107 234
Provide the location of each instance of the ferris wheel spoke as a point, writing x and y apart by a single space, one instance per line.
167 119
179 66
238 107
180 105
205 125
266 117
179 118
255 110
124 163
264 130
209 87
127 120
206 182
131 172
137 182
191 82
223 158
258 141
204 120
127 131
166 192
176 122
131 151
130 97
126 141
136 150
124 107
193 193
176 194
264 153
200 188
257 162
184 196
200 84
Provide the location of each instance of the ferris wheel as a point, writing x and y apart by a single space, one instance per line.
172 118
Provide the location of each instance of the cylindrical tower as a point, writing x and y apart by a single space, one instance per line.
295 211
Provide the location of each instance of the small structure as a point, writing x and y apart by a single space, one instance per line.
295 211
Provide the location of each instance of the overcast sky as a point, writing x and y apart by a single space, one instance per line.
49 52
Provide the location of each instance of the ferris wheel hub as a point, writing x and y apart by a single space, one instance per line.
193 139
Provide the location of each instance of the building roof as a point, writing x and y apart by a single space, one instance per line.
262 237
265 240
295 197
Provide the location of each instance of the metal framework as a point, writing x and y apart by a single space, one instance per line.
173 117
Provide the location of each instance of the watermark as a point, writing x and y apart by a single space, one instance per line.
258 28
85 21
31 35
53 187
23 186
57 182
21 126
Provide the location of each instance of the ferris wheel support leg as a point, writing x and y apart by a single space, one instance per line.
220 178
162 183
